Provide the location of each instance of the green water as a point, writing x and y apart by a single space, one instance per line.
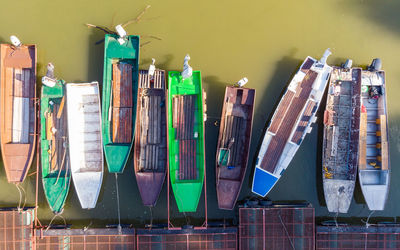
263 40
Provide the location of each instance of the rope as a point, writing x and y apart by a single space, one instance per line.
335 219
151 217
119 214
21 190
55 216
369 216
286 231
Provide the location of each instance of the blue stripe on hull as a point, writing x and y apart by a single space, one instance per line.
263 182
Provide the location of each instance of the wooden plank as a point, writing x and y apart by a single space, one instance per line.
20 122
60 110
122 125
384 142
26 85
18 83
122 85
362 160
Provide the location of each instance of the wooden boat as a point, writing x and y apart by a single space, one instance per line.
341 137
119 96
290 123
374 164
186 139
56 171
85 146
150 151
233 144
18 109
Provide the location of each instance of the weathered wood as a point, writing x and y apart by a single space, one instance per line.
122 85
363 141
384 143
122 125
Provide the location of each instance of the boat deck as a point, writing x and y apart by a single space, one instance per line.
151 114
286 120
234 139
122 103
341 128
183 121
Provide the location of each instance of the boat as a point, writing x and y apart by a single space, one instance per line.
233 144
186 136
150 150
56 171
290 123
341 137
18 108
120 80
374 162
85 141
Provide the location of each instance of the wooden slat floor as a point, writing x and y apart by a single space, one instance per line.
281 137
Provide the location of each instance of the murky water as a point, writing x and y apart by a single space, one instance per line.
263 40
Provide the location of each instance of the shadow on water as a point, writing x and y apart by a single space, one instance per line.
385 13
276 88
96 56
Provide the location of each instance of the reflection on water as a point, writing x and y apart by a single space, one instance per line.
264 41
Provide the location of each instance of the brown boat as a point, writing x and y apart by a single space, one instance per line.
150 157
18 109
233 144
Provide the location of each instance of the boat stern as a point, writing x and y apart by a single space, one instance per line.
116 157
263 182
87 186
187 195
338 194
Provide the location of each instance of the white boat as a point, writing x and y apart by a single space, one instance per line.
85 141
374 164
291 122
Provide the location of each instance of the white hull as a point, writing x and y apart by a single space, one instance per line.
374 164
264 180
85 141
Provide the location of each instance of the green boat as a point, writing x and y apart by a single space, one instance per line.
186 139
56 171
120 81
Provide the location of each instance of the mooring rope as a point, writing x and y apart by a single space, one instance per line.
119 214
369 216
55 216
21 190
335 219
286 231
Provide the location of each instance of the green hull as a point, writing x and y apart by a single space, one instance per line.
117 154
187 192
55 183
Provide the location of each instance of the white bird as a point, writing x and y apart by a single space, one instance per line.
187 70
15 41
152 67
242 82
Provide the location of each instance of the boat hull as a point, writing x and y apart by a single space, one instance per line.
186 139
290 123
18 109
150 150
120 82
233 144
85 141
56 171
341 138
374 162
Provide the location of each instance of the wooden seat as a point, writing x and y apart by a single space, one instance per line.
122 103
